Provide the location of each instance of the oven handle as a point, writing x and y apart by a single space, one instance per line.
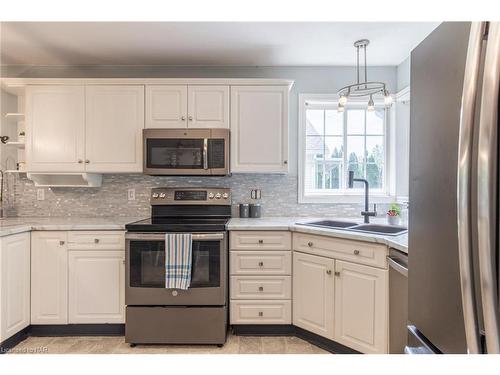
205 153
161 236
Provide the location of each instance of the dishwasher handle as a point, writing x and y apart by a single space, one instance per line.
397 266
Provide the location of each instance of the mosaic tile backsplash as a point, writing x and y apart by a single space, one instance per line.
279 196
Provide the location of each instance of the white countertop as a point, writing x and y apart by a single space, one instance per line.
13 225
291 223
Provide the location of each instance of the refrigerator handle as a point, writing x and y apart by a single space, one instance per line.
469 94
486 189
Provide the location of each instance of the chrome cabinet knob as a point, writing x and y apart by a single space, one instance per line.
96 240
356 252
190 118
80 161
61 243
261 241
310 244
337 273
87 161
261 288
328 272
285 162
261 264
183 118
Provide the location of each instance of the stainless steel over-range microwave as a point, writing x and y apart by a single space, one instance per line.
186 152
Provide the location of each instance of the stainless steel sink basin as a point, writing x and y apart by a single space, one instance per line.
390 230
386 230
330 224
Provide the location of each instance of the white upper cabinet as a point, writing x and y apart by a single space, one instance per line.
55 128
113 128
166 106
313 293
14 284
361 312
172 106
208 106
259 129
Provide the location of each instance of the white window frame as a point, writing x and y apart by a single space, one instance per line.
327 100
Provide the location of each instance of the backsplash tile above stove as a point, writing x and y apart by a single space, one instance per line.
279 196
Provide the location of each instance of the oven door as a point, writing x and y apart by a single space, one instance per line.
145 271
186 151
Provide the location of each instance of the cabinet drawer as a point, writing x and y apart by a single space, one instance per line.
261 287
260 240
260 312
92 240
368 253
261 262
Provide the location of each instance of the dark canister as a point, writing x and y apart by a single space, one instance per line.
255 210
244 210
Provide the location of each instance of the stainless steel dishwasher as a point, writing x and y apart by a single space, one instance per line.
398 301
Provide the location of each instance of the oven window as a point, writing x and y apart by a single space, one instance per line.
175 153
147 264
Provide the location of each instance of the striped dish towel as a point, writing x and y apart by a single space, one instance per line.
178 255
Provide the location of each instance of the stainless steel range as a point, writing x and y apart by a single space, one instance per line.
197 315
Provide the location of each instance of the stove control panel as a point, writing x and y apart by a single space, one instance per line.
190 196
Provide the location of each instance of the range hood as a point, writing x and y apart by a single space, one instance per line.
47 179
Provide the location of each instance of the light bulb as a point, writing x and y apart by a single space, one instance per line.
340 108
371 105
343 100
387 99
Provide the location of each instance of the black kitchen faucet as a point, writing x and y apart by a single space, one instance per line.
366 213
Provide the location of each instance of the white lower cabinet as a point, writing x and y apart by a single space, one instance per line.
96 286
361 307
313 293
14 284
49 277
77 277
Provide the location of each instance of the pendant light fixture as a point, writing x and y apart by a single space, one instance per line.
364 88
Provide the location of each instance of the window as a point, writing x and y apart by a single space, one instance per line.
333 143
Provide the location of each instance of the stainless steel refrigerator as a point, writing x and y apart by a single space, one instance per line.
453 224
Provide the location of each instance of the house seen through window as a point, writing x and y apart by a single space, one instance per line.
338 142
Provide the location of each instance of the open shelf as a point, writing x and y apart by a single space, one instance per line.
14 116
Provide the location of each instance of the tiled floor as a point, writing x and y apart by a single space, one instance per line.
117 345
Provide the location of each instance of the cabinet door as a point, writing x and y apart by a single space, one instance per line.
313 288
113 128
56 128
361 307
96 286
49 278
14 284
166 106
208 106
259 129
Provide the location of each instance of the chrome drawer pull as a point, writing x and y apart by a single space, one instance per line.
356 252
261 241
261 313
261 264
61 243
310 244
96 240
261 288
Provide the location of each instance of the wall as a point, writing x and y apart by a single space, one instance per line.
279 192
403 74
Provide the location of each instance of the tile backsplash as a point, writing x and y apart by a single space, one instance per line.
279 196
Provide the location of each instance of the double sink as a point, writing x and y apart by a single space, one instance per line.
386 230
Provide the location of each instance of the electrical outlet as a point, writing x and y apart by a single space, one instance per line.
255 194
40 194
131 194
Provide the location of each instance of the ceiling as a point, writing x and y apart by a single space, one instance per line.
207 43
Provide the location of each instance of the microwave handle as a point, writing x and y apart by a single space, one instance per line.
205 153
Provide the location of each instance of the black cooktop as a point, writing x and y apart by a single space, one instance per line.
176 224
